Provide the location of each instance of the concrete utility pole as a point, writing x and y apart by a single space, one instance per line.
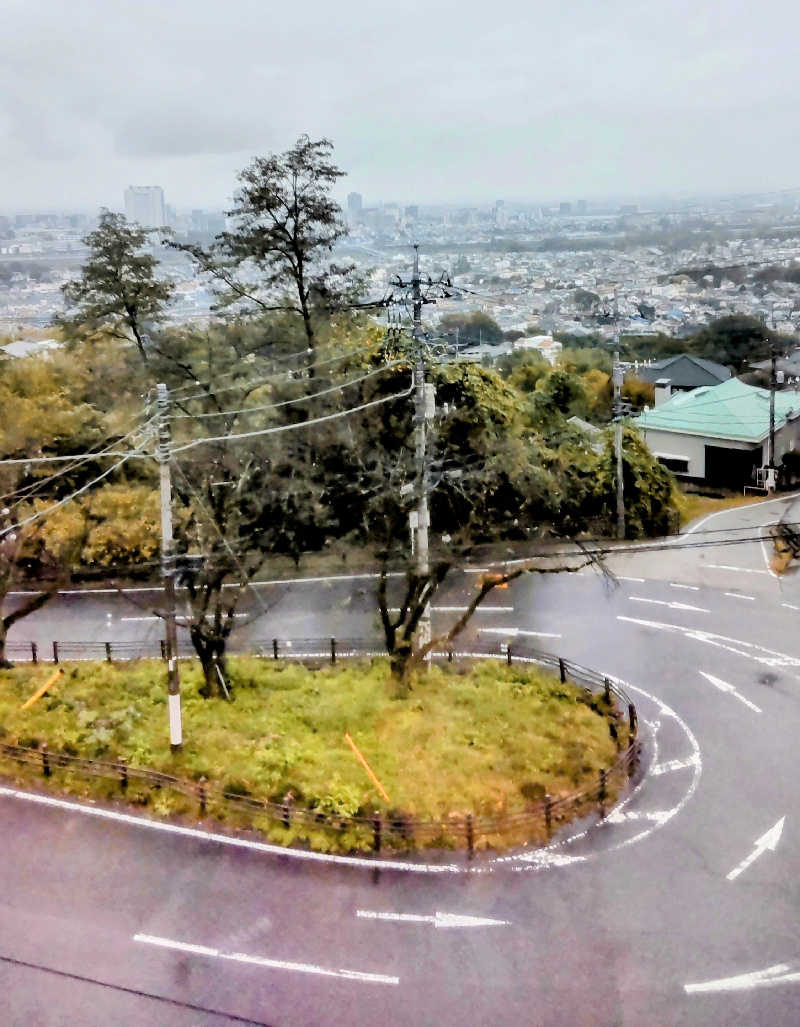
424 404
168 568
618 376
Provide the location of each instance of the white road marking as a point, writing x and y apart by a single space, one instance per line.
739 570
621 577
780 973
768 841
689 588
476 570
438 919
671 765
790 606
554 856
151 617
723 686
765 554
273 964
519 631
770 657
223 839
462 609
739 595
721 513
670 603
660 816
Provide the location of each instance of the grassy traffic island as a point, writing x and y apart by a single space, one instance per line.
490 740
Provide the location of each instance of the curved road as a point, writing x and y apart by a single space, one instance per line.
681 908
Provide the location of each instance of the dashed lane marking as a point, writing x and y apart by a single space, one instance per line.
621 577
670 603
739 570
688 588
780 973
519 631
272 964
672 765
739 595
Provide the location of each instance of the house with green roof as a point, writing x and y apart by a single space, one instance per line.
720 434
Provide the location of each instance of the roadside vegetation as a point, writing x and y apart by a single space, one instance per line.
492 740
693 505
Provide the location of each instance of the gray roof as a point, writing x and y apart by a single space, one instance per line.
685 371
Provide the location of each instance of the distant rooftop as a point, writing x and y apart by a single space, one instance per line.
731 410
685 371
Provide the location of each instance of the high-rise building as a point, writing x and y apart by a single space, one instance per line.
145 205
355 201
581 206
565 208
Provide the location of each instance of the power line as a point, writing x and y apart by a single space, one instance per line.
298 424
278 375
297 399
62 502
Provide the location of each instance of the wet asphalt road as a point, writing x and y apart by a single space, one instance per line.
628 924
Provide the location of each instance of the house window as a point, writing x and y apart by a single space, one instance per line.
678 464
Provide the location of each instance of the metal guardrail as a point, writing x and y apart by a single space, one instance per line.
392 829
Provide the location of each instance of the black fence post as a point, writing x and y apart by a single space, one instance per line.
376 832
275 648
34 652
632 719
603 794
202 794
108 652
123 773
562 670
286 812
548 814
449 655
508 654
333 650
607 689
46 761
470 837
163 648
55 652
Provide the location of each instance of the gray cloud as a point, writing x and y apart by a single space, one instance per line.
425 101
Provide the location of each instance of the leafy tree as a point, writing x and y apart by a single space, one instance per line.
638 393
472 329
736 340
118 291
285 226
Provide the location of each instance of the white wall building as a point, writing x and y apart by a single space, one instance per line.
145 205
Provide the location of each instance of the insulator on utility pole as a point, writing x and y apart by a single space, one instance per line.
168 567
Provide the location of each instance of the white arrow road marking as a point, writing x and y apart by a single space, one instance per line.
770 657
780 973
519 631
274 964
438 919
723 686
672 604
766 841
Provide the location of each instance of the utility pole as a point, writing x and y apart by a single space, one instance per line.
168 568
618 375
423 411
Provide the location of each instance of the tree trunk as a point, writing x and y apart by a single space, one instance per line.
210 650
5 663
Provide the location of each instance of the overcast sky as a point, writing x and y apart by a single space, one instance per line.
425 101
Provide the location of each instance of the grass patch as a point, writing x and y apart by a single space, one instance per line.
491 740
692 505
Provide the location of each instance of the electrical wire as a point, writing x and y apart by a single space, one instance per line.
298 399
62 502
289 427
278 375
